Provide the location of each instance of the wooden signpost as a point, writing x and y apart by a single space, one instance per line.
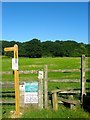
16 75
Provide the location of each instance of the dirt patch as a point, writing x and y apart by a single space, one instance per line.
13 114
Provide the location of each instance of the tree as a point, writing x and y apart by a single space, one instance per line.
34 48
47 49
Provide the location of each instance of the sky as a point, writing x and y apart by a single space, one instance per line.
24 21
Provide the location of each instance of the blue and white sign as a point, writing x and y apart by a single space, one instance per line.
31 92
31 87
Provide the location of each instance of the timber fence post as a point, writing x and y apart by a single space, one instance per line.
55 101
83 79
40 91
46 86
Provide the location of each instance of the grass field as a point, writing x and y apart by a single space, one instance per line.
53 64
38 64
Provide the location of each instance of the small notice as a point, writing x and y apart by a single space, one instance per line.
22 88
40 74
31 92
14 64
31 97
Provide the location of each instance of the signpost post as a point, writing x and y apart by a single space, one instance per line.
16 75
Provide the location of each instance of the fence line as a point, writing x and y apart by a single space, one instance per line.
43 92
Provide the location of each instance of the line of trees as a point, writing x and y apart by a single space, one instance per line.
36 49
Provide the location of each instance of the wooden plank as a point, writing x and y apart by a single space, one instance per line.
7 102
46 86
36 71
65 80
6 72
71 92
10 84
65 70
7 84
29 72
68 70
69 101
83 79
7 94
20 72
65 91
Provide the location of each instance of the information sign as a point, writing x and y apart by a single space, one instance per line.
14 64
31 92
40 74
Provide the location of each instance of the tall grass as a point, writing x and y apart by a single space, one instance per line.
63 112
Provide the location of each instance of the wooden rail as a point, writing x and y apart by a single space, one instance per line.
21 72
36 71
65 91
65 71
69 70
65 80
7 102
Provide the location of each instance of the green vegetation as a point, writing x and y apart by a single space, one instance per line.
63 112
37 49
6 110
53 64
38 64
